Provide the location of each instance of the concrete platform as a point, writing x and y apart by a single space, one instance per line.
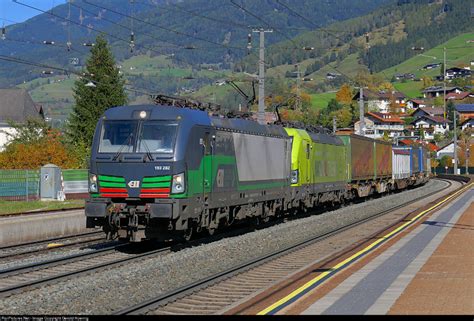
33 227
428 271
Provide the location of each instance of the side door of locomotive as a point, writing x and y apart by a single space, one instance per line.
307 162
208 150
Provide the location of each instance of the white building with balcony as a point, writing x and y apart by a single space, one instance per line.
377 124
431 125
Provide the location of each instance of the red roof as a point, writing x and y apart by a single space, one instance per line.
418 101
435 119
386 118
431 110
432 147
459 96
409 142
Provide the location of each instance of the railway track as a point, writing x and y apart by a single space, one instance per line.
22 278
219 292
20 250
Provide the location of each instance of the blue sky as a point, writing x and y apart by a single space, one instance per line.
11 12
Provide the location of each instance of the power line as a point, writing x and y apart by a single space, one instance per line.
103 32
164 28
67 71
193 13
260 19
42 43
125 27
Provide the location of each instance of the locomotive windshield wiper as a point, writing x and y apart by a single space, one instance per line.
148 153
127 142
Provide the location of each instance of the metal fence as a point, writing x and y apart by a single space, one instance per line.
19 185
450 170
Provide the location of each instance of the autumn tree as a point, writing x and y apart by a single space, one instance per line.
386 86
100 89
344 94
343 118
48 147
427 82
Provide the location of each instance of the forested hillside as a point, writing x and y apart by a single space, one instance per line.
215 30
393 30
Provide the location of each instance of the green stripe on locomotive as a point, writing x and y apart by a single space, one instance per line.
316 162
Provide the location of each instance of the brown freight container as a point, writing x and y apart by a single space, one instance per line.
383 159
361 156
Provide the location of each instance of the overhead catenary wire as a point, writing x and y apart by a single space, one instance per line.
165 28
108 34
126 28
88 77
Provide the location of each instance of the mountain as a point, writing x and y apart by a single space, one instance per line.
217 30
340 48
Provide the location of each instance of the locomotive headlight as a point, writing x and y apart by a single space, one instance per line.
93 183
178 186
294 176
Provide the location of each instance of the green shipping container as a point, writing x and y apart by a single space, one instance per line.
367 158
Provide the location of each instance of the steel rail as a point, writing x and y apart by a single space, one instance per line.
181 292
79 259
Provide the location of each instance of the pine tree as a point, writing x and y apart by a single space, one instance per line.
92 101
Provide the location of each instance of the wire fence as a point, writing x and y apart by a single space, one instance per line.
19 185
24 185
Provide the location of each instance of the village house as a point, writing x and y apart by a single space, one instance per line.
459 97
430 125
428 111
446 150
377 124
380 101
436 91
467 123
15 105
432 66
416 103
465 111
455 72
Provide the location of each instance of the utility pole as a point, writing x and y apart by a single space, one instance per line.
467 153
361 112
261 75
455 159
298 92
444 83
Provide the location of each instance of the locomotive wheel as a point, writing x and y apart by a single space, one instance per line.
189 234
211 231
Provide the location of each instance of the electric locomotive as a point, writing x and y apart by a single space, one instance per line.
161 171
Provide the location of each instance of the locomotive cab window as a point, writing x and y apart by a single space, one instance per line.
139 137
118 135
157 137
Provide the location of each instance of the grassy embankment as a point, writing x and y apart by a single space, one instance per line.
10 207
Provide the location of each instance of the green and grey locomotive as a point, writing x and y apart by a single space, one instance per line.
159 171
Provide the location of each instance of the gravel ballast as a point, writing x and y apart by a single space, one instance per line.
111 290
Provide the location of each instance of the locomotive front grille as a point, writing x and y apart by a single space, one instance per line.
112 186
156 187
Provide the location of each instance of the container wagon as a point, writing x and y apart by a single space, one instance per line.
369 165
401 167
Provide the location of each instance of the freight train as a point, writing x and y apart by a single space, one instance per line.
161 172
